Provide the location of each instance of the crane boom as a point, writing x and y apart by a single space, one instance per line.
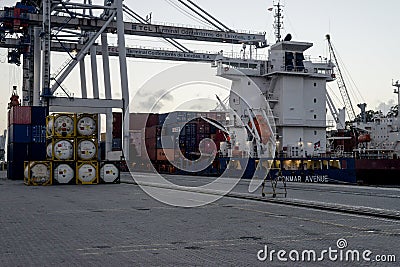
341 83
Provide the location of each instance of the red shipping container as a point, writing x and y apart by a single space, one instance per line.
137 121
150 143
20 115
162 154
152 153
152 120
151 133
117 125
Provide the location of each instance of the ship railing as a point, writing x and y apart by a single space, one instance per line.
334 155
373 156
300 69
348 154
309 122
330 123
316 59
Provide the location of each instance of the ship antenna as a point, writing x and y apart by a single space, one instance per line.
278 24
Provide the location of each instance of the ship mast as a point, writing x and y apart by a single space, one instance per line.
397 91
278 24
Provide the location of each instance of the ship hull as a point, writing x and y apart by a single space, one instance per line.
378 171
343 173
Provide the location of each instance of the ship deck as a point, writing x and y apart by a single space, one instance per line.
106 225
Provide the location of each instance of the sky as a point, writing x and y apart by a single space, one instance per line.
363 32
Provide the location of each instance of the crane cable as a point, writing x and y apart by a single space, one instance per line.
187 14
337 100
171 41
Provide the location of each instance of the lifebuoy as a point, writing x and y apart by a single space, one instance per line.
226 68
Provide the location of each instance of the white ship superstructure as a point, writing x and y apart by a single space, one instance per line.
295 89
381 137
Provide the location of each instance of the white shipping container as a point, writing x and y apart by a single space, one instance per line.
86 149
86 126
109 172
63 150
87 173
63 125
63 174
39 172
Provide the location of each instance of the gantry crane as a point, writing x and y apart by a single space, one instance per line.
341 83
35 29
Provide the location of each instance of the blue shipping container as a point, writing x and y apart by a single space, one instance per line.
15 170
168 142
117 143
19 133
102 150
190 129
38 115
171 118
38 134
18 151
161 118
37 151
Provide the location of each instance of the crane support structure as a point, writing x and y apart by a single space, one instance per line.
152 30
341 83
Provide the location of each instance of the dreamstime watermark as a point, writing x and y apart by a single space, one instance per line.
340 253
189 87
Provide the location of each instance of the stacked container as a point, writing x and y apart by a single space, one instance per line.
26 138
117 132
37 173
61 142
109 172
87 166
168 137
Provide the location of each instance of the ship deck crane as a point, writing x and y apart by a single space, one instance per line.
341 83
339 123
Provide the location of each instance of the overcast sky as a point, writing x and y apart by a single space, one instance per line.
363 32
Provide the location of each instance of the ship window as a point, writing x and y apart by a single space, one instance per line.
289 61
315 84
315 132
248 83
334 164
299 61
325 164
315 100
315 116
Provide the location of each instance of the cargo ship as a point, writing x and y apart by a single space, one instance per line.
378 150
275 122
183 146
